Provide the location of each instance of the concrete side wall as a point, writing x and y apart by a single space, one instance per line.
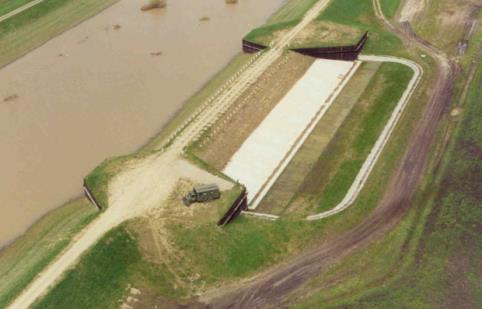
251 48
337 52
234 211
90 196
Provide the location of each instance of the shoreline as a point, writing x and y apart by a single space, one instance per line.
160 127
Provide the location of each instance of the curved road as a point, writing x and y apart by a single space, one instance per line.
20 9
382 140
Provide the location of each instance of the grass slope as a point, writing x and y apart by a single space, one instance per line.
433 258
390 7
123 258
101 275
288 16
447 271
27 256
7 6
339 164
360 15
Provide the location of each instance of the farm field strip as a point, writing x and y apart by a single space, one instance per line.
261 158
20 10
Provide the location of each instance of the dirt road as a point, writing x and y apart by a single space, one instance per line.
147 182
273 287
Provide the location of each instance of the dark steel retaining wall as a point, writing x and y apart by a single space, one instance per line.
336 53
234 211
251 48
90 196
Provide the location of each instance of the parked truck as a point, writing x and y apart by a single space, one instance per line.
202 193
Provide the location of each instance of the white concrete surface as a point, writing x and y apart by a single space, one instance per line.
264 154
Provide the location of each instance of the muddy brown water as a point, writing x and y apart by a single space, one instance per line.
94 92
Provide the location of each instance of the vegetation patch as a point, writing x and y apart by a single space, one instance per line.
138 255
7 6
360 15
338 165
21 261
390 7
349 18
327 34
288 16
438 265
100 278
443 23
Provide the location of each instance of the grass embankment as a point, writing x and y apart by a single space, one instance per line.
288 16
99 275
437 258
390 7
337 167
360 15
35 26
28 255
341 23
6 6
138 255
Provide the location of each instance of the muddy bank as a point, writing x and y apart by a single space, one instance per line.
98 91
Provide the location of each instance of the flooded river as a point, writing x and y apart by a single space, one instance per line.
97 91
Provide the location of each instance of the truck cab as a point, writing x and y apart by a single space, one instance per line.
202 193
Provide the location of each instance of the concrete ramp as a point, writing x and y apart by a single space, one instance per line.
266 152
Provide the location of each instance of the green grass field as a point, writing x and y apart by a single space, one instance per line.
390 7
105 273
288 16
100 277
360 15
338 165
7 6
432 259
27 256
